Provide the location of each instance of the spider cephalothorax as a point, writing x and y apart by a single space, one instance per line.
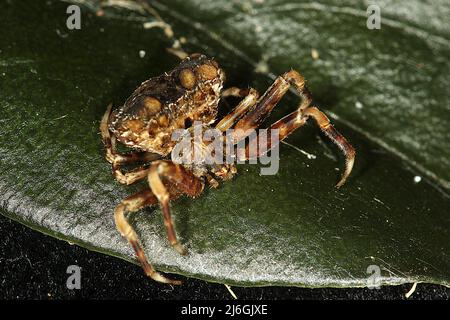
188 94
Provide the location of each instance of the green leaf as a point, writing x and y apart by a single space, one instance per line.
387 91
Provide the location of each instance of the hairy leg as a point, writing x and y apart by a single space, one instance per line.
133 204
235 92
250 99
163 173
254 118
327 128
292 121
298 118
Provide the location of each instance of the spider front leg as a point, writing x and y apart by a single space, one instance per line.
117 160
133 204
294 120
183 181
250 98
327 128
254 117
298 118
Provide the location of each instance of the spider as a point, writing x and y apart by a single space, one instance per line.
174 100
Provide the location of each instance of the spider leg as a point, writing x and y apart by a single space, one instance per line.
177 52
298 118
294 120
131 176
250 99
327 128
213 183
184 181
117 160
285 126
133 204
254 117
235 92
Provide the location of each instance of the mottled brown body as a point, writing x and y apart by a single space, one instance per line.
175 100
189 93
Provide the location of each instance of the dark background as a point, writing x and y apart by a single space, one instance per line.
33 266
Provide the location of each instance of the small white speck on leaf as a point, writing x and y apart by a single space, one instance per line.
417 179
358 105
315 54
262 67
141 53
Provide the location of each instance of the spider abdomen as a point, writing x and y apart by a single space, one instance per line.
172 101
